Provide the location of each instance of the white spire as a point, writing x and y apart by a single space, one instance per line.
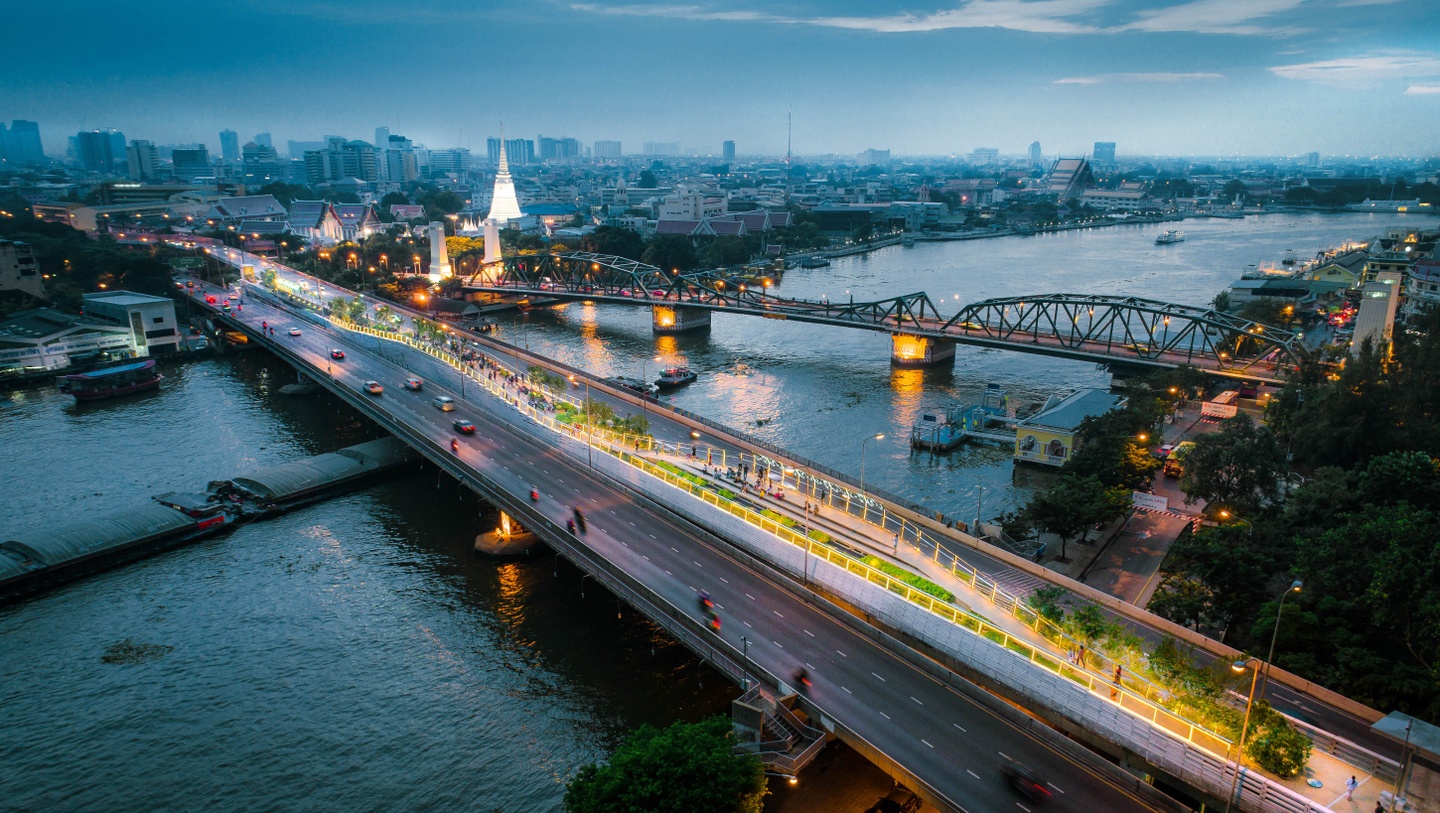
504 206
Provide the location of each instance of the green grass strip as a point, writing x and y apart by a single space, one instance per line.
903 575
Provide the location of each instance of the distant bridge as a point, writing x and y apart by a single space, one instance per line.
1105 329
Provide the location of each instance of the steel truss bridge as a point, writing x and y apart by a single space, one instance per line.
1105 329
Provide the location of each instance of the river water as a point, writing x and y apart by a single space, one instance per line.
357 655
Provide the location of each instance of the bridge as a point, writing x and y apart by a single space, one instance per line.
653 542
1085 327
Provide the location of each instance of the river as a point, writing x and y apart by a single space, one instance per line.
357 655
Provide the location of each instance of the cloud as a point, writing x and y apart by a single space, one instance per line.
1217 17
1363 71
1034 16
1103 78
1422 90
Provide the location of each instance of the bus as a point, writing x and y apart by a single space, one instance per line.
1224 405
1175 461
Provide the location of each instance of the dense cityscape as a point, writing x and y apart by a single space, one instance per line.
788 467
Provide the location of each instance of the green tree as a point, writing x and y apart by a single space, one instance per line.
1238 468
1274 744
726 250
394 199
647 180
670 251
615 241
684 768
1073 504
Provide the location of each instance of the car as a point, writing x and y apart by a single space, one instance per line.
294 331
373 387
209 299
464 427
659 293
444 403
972 326
190 284
337 354
1023 780
234 297
414 384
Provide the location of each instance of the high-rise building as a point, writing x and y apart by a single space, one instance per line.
382 137
984 156
519 151
264 140
660 148
449 162
1312 159
400 165
557 149
342 159
261 165
872 157
21 144
229 146
143 160
98 151
296 149
191 162
1035 155
727 151
1104 154
607 149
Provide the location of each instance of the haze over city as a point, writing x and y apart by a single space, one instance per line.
1204 77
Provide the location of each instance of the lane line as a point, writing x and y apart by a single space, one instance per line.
809 633
882 680
883 714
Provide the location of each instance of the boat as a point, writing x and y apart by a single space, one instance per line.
123 379
673 377
814 262
1290 258
1169 237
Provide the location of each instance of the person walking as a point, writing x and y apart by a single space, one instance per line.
1350 786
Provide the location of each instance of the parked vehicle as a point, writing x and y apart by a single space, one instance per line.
1175 461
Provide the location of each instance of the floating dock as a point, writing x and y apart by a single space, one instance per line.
989 421
45 556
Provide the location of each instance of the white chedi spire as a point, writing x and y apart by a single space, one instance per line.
504 206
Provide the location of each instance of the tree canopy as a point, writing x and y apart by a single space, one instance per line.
683 768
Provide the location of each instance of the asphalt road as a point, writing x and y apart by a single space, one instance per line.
951 742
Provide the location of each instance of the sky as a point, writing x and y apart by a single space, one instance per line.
918 77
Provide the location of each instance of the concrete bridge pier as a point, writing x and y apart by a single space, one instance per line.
909 350
667 319
509 538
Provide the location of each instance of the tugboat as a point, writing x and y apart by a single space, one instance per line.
673 377
123 379
1169 237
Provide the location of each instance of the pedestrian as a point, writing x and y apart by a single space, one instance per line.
1118 673
1379 808
1350 785
1080 657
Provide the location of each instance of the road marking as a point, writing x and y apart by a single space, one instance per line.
668 573
809 633
632 525
677 550
777 643
626 544
927 742
777 612
747 623
1022 807
747 595
972 773
842 654
883 714
809 665
1055 786
647 558
847 691
882 680
1003 754
961 727
697 564
723 579
912 697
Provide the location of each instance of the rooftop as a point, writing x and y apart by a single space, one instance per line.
125 298
1067 413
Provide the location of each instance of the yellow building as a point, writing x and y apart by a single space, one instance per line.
1048 436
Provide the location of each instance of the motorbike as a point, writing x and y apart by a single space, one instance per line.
454 445
534 494
580 520
802 680
570 525
706 604
715 621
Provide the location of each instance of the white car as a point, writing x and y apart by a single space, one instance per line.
445 403
373 387
294 331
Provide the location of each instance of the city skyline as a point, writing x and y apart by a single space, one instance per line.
1203 77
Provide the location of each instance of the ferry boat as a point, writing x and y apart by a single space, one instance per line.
137 376
814 262
1169 237
673 377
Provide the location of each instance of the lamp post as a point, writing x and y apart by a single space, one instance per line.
1241 666
1249 528
745 664
589 424
865 506
644 388
1279 613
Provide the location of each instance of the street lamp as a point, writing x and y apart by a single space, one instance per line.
745 661
645 388
1293 588
589 423
1249 528
1241 666
865 506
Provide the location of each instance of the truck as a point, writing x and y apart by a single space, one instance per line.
1175 461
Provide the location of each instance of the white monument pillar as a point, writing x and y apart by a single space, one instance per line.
492 241
439 256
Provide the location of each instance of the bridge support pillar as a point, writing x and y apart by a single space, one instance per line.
678 319
909 350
